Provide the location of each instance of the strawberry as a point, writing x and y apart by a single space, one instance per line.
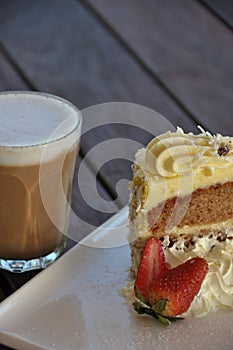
176 288
151 265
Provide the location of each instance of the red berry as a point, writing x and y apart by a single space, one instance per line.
151 265
178 286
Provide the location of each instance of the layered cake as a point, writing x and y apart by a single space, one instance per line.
181 196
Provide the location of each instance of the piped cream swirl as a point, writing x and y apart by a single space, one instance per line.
217 287
173 154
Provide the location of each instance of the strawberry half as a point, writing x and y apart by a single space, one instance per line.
151 265
176 288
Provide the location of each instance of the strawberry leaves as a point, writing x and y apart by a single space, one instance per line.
142 307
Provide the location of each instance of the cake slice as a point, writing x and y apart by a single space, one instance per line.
181 194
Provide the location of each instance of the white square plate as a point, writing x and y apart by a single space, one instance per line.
74 304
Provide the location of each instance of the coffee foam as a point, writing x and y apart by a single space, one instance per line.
33 124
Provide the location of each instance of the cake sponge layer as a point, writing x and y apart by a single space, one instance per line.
204 206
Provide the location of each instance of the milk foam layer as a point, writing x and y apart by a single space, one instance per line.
30 123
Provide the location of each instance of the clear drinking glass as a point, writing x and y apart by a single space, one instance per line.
39 143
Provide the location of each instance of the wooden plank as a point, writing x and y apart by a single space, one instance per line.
9 79
5 287
2 347
91 203
223 9
2 295
188 48
84 63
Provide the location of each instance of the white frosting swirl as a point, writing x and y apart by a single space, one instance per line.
217 288
173 154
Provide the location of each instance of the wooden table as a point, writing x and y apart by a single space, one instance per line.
174 57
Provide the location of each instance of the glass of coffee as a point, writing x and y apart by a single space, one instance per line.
39 143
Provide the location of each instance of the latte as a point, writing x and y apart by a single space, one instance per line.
39 140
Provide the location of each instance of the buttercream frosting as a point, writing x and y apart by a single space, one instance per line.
175 164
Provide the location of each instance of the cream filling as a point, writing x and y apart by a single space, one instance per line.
162 188
225 226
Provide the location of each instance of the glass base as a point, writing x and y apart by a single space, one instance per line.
18 266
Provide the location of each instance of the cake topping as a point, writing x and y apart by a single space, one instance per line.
223 149
173 154
166 293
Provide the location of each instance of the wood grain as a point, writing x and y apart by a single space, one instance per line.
2 295
91 203
9 78
223 9
2 347
186 46
64 50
